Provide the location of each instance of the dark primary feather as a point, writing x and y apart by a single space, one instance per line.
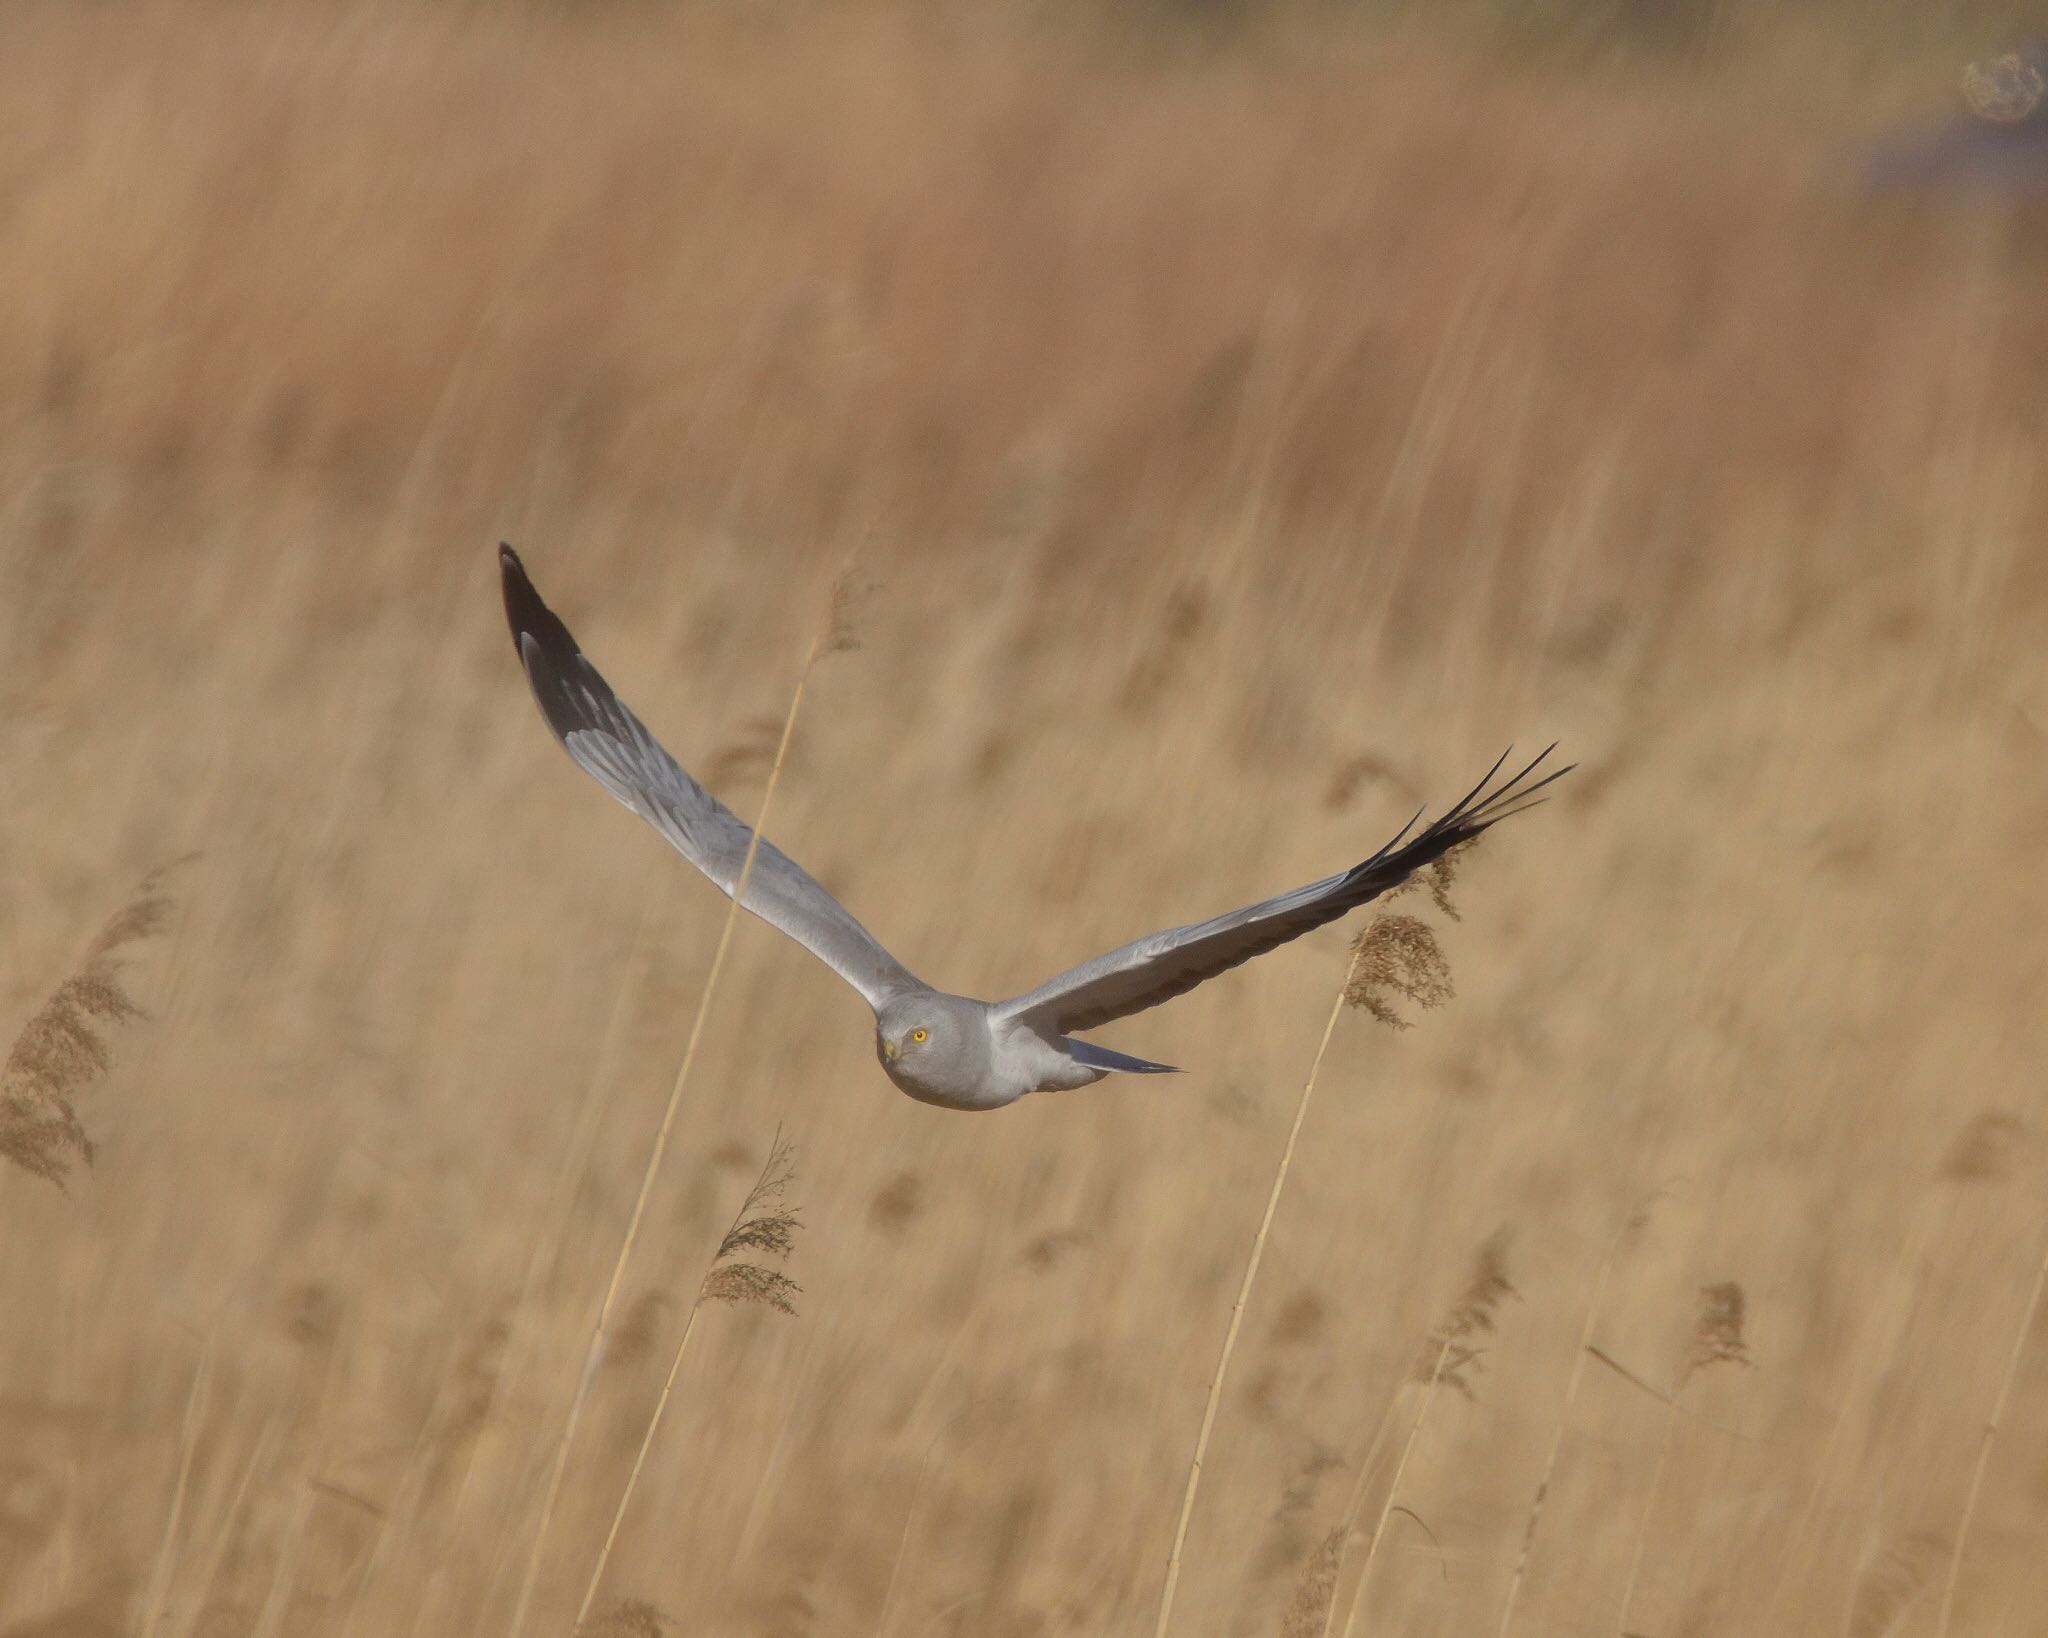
1150 970
554 661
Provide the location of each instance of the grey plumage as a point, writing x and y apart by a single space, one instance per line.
614 747
944 1049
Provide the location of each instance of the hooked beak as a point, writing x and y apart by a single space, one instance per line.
888 1049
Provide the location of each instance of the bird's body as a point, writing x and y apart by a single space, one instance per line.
950 1050
970 1056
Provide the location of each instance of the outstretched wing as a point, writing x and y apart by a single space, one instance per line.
1151 970
614 747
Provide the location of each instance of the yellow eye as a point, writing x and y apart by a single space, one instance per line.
917 1035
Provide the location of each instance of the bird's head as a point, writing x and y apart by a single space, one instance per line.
906 1032
936 1048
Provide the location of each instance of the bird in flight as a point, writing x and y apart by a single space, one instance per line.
951 1050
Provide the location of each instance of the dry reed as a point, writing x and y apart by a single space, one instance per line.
828 638
765 1225
1428 1383
1457 1342
1451 1351
1244 1290
1629 1229
1985 1442
1397 956
1354 1507
1715 1339
157 1595
1753 364
1394 955
1981 1152
66 1046
1308 1610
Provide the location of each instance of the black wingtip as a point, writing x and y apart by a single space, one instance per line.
529 616
550 656
521 600
514 573
519 592
1513 796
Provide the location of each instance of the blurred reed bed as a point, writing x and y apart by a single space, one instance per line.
1261 429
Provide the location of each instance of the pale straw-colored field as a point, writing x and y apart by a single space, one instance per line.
1242 441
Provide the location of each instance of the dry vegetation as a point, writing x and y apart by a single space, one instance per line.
1254 436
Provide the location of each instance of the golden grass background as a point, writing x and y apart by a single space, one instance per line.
1257 430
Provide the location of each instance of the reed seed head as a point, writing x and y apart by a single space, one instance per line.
1717 1334
1437 876
1397 957
766 1225
842 632
65 1045
1452 1352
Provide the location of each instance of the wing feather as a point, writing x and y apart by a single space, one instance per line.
1157 968
614 747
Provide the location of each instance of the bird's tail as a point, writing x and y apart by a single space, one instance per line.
1121 1063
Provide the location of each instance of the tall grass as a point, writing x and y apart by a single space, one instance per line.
1244 1291
1984 1444
1716 1339
1394 955
1580 1354
1449 1357
764 1226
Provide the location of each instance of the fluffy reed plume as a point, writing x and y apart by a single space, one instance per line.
65 1046
765 1225
1449 1351
1985 1442
1716 1339
1453 1349
1436 878
1397 956
829 637
630 1618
